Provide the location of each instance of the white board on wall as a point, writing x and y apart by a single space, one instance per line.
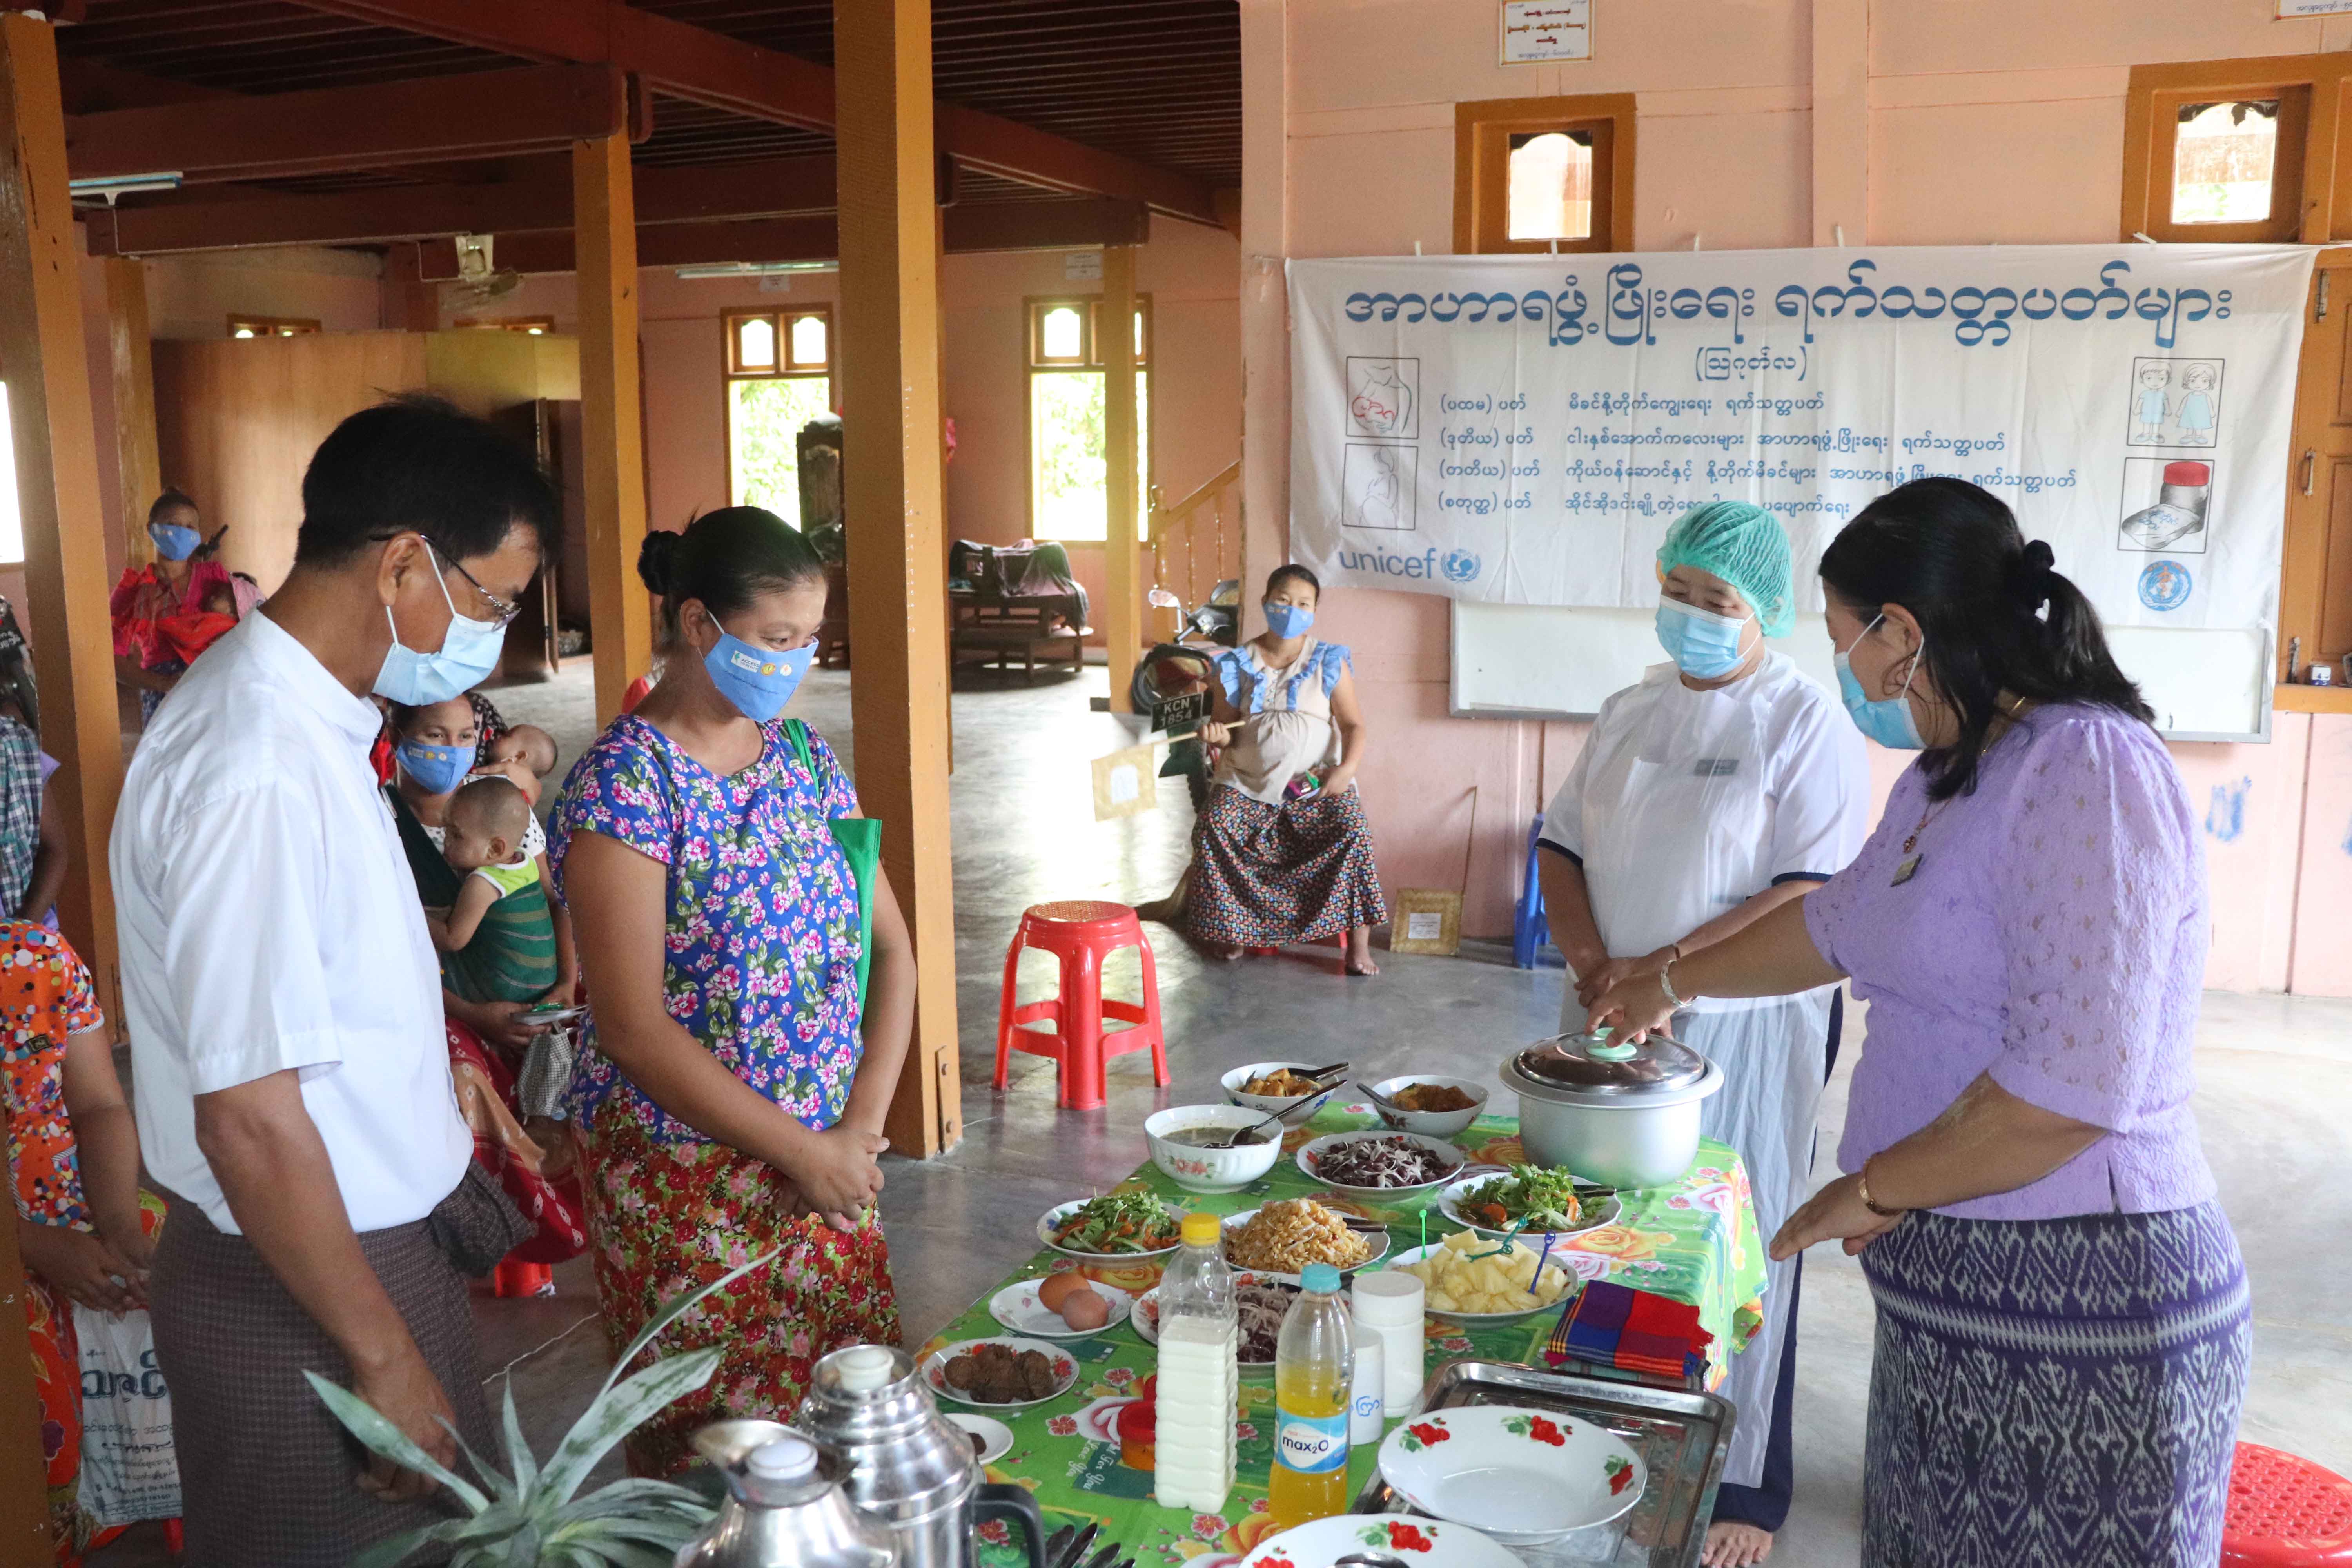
1540 661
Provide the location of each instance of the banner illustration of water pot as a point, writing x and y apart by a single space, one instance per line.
1522 429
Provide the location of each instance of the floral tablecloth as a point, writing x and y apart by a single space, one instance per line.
1694 1240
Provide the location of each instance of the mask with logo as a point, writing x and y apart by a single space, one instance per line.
437 770
470 651
1703 644
174 540
758 680
1287 620
1886 720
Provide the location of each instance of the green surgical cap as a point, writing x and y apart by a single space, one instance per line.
1747 547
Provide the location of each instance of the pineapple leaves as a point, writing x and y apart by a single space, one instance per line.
381 1437
519 1458
614 1415
668 1313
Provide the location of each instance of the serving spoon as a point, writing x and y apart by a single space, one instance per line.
1234 1139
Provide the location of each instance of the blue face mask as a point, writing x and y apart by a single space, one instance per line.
1886 720
437 770
1287 620
1703 644
174 540
470 651
759 681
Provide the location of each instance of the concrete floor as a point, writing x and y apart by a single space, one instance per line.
2275 1096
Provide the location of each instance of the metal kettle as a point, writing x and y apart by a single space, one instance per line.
907 1465
785 1508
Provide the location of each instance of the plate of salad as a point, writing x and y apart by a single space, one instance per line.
1132 1222
1534 1200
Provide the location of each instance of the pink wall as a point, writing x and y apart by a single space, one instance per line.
1995 122
1188 271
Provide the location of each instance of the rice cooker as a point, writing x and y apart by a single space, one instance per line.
1616 1112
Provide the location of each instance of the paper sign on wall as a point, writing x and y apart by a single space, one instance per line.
1521 430
1082 266
1538 30
1123 783
2290 9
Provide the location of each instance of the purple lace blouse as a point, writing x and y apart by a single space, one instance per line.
2052 934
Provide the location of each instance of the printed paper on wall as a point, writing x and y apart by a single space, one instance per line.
1522 429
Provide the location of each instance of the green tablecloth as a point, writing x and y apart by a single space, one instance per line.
1695 1241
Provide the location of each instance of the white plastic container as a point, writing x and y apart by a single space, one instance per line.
1200 1373
1366 1406
1390 1303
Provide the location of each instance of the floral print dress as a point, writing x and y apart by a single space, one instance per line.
762 967
45 997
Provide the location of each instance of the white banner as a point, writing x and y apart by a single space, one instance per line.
1522 429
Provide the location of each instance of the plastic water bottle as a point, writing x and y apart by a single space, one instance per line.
1199 1372
1313 1368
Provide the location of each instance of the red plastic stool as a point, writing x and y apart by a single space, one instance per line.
2285 1512
1080 934
513 1278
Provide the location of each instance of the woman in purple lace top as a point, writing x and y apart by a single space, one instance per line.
2063 1321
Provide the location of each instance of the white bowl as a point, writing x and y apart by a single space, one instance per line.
1211 1170
1526 1476
1295 1107
1430 1123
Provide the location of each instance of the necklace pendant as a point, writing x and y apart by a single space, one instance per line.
1907 870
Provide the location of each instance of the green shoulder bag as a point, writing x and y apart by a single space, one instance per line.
860 838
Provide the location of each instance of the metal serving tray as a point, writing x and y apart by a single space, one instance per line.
1683 1436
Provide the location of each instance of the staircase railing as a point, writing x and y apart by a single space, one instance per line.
1196 543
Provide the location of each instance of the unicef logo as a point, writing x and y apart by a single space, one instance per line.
1461 565
2164 584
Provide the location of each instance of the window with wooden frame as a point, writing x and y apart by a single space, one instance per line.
1544 174
2242 152
778 373
1068 449
272 326
535 326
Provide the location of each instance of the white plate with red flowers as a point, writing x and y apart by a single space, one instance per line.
1377 1538
951 1381
1526 1476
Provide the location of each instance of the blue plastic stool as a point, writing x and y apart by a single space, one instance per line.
1530 935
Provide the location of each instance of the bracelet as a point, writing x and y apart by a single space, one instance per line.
1667 984
1862 1190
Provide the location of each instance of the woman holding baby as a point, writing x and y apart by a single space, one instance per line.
464 814
730 1093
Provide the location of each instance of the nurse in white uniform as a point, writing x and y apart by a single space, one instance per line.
1722 785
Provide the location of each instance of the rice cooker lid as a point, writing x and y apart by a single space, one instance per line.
1594 1063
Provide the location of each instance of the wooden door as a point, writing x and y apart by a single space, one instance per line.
2316 575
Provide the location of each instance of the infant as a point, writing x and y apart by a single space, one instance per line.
523 756
483 836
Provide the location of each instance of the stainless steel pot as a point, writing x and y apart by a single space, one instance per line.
1622 1115
908 1466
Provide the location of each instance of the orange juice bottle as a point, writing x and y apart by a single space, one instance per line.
1313 1360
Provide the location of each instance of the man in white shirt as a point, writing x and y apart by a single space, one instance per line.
284 1000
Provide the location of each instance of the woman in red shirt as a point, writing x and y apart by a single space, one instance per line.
145 658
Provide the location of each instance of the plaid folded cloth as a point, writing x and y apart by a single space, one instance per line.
1616 1325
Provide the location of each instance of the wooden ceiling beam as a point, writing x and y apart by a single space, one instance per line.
762 188
970 227
338 129
706 67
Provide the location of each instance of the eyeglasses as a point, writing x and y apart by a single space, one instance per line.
503 613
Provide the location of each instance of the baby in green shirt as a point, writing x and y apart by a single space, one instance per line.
500 920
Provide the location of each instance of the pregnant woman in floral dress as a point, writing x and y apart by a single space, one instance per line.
731 1095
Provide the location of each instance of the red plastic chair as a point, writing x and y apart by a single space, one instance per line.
2285 1512
1080 934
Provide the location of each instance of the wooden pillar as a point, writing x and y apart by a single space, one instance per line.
66 593
1265 310
1122 549
612 420
897 547
130 347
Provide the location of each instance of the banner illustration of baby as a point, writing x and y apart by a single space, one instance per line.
2175 403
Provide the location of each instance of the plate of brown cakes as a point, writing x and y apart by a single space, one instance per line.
1003 1373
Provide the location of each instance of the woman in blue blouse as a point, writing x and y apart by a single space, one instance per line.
730 1091
1281 851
